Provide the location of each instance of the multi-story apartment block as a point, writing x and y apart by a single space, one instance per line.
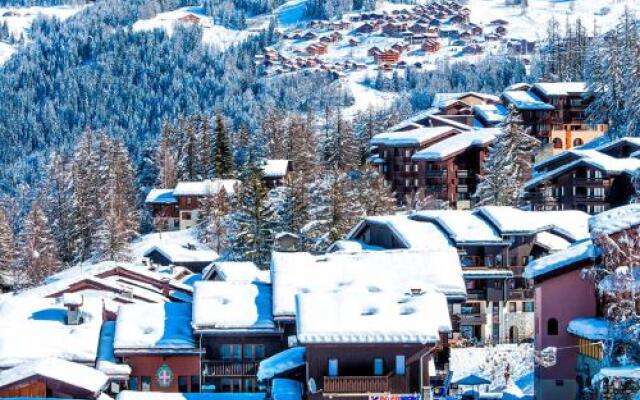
588 180
555 113
494 245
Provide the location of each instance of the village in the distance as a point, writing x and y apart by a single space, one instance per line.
319 200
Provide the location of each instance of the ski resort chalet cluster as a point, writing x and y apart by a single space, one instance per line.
385 38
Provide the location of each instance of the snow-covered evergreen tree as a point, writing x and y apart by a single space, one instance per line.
252 224
508 164
214 227
338 144
167 173
8 247
38 253
58 205
373 194
223 156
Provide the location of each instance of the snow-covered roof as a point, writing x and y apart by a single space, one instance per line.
455 144
66 372
576 253
401 270
526 101
275 168
412 121
413 137
286 389
237 271
513 221
492 113
232 306
551 242
589 328
283 361
350 245
413 234
463 227
487 273
161 196
177 253
440 100
615 220
561 88
371 317
205 188
106 360
154 328
625 372
32 327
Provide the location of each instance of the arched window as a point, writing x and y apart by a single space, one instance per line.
557 143
577 142
552 327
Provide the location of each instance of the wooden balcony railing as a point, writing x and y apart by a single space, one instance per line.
436 173
521 294
230 368
356 384
463 173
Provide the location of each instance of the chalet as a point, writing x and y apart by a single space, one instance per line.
275 172
499 22
317 49
418 28
494 244
180 208
373 51
500 30
553 110
233 321
193 256
476 30
430 46
353 42
326 39
589 180
156 341
365 28
52 377
309 36
190 19
473 49
394 29
389 56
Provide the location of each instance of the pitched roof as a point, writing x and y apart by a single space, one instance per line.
561 88
615 220
523 100
205 188
463 227
160 196
412 137
574 255
455 144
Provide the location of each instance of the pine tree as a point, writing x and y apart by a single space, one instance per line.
8 247
58 206
251 237
373 194
214 226
508 164
275 131
38 254
339 145
223 159
188 161
205 148
118 224
167 173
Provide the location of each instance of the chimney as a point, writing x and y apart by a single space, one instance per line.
73 302
166 289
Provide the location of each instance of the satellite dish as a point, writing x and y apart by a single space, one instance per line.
311 383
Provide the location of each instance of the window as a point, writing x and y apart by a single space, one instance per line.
400 365
188 200
333 367
230 385
407 168
183 384
231 352
133 383
250 385
552 327
557 143
407 153
415 167
577 142
378 366
195 384
253 351
146 383
512 306
527 306
186 215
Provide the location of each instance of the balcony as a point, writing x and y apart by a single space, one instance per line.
473 319
463 189
584 181
462 173
521 294
230 368
585 198
356 384
436 173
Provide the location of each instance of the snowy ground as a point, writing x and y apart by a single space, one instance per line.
532 24
215 35
19 20
491 363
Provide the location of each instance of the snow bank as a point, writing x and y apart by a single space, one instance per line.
153 327
219 305
371 317
283 361
70 373
365 272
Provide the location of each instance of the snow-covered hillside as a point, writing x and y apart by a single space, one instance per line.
19 20
531 25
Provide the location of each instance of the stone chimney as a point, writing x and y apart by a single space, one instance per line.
73 303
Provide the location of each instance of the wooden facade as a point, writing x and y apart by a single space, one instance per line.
163 372
38 386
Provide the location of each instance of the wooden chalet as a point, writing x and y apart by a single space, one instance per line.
389 56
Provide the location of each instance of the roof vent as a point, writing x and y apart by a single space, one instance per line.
416 291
